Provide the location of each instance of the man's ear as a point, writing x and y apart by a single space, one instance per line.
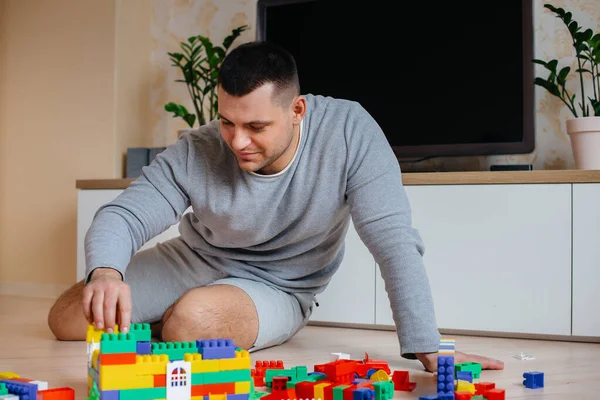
298 109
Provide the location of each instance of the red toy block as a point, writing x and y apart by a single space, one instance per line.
495 394
117 358
63 393
402 382
213 388
482 387
160 380
462 396
258 373
306 389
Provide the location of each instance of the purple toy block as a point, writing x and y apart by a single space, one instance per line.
216 348
242 396
25 390
143 348
363 393
109 395
464 376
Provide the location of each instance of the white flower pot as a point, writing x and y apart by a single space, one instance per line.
585 141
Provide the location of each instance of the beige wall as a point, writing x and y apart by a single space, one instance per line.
56 125
82 80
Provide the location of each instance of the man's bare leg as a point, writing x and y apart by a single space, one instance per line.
210 312
218 311
66 319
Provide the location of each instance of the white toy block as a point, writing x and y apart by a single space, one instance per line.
339 356
41 385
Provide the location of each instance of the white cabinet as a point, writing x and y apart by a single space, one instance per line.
586 259
88 202
350 297
498 257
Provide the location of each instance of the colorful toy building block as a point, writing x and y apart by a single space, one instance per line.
216 348
402 382
464 376
533 379
445 367
473 367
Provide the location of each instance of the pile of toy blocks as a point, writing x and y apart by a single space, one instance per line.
131 367
340 379
15 387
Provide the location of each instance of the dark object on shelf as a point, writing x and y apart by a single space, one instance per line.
139 157
515 167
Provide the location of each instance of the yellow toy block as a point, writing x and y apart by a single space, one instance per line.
320 390
155 364
115 377
95 356
217 397
465 387
241 361
242 387
8 375
96 334
197 398
200 365
380 376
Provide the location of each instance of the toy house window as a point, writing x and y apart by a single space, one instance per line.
178 377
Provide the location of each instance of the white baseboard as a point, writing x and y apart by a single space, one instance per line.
31 289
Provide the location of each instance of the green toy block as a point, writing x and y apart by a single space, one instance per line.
338 392
315 378
143 394
225 376
198 378
94 394
3 389
474 367
175 350
257 395
384 390
113 343
295 375
141 332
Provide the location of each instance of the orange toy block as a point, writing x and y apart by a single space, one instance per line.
117 359
63 393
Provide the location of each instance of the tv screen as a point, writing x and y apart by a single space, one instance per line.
450 78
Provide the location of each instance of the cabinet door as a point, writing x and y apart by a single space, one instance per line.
350 297
498 257
586 259
89 201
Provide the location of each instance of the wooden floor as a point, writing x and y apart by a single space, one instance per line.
572 370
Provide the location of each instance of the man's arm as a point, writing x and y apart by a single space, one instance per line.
152 203
382 217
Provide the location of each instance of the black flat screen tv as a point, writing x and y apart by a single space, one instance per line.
440 78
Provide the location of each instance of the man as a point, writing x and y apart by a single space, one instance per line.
272 184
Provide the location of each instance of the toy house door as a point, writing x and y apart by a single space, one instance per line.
179 380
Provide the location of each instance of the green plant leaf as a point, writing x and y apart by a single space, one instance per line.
549 86
562 75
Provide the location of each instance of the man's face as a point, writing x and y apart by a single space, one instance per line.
261 133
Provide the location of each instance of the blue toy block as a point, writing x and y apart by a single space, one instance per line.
109 395
445 377
216 348
433 397
143 348
363 393
464 376
446 396
533 379
25 390
243 396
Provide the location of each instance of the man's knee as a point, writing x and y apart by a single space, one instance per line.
218 311
65 318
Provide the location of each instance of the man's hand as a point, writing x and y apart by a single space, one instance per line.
107 300
429 360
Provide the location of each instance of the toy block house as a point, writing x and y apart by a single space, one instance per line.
130 367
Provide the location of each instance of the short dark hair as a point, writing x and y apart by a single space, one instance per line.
254 64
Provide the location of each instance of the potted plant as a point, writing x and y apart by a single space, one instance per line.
199 63
584 128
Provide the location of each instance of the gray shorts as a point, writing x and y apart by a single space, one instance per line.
160 275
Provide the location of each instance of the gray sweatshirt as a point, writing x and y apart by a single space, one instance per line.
288 228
